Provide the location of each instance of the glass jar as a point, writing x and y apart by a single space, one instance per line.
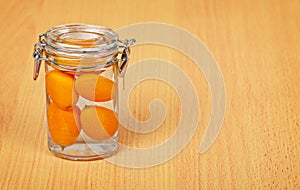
82 66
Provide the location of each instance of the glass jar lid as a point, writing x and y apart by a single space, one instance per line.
81 47
82 38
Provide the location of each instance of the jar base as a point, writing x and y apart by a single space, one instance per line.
84 152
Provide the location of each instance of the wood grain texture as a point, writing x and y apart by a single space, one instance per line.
257 45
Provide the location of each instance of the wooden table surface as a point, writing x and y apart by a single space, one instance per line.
257 46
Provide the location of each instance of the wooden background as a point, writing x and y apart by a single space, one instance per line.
257 46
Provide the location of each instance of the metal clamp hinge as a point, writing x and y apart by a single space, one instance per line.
125 56
37 55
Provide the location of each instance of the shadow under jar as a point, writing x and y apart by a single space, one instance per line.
82 66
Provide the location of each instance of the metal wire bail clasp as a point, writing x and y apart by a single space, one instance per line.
125 56
37 55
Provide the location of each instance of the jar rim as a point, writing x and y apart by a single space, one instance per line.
82 38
